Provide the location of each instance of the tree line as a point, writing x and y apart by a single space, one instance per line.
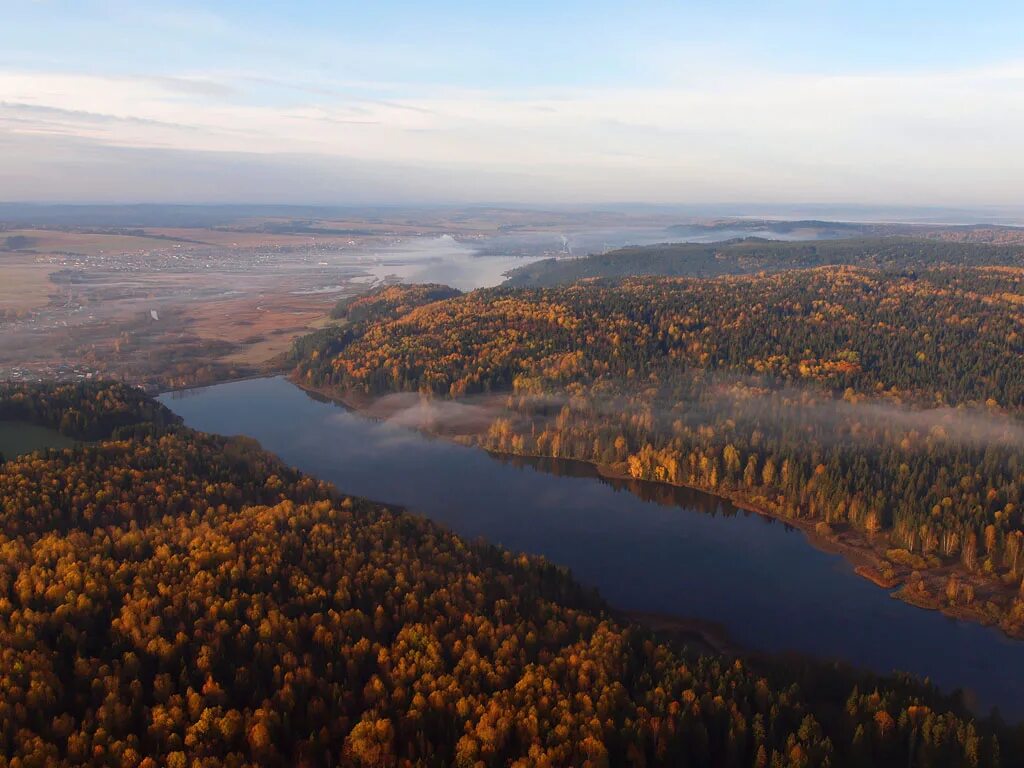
751 255
86 410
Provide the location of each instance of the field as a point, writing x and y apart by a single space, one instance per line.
25 286
155 310
18 437
84 243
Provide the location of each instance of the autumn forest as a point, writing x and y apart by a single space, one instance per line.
878 409
174 598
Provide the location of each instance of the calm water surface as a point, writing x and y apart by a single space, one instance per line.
676 552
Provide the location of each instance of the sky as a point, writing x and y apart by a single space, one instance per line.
827 101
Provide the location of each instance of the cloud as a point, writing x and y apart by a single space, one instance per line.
45 116
943 137
411 411
199 86
69 168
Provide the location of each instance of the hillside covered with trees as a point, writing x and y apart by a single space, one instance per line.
878 410
84 410
180 599
752 255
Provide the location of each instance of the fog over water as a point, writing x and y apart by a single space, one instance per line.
483 262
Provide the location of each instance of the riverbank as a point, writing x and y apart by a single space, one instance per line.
923 588
864 560
162 389
867 555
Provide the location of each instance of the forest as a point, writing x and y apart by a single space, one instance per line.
877 409
752 254
173 598
86 410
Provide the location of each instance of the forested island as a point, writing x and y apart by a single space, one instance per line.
877 409
169 597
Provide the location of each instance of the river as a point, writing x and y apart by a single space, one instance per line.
646 548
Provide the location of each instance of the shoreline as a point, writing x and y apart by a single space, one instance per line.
867 558
866 561
232 380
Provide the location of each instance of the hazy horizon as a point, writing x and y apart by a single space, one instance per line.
586 103
141 213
